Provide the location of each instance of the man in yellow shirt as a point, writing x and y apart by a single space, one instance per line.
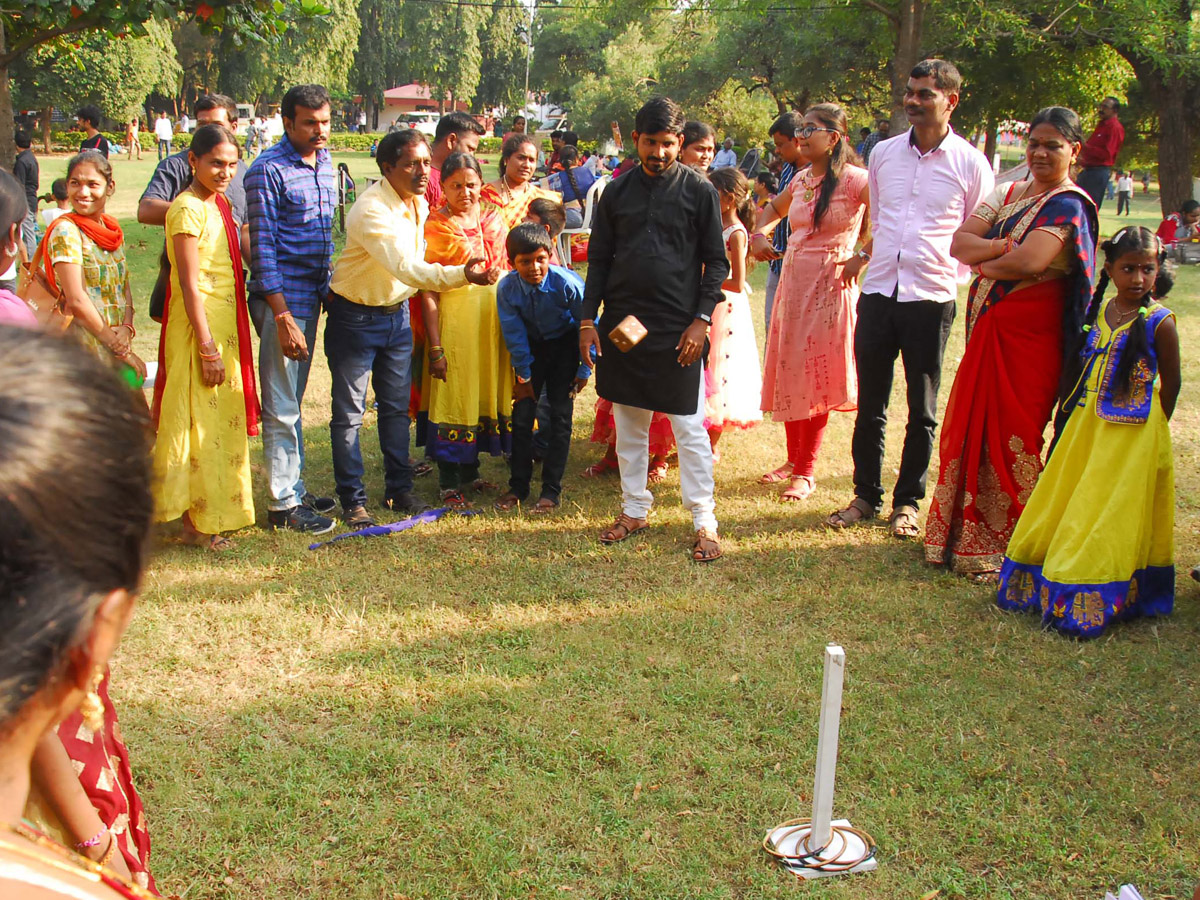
367 332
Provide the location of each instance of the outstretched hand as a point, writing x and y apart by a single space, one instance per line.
478 271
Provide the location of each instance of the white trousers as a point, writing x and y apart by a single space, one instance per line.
695 462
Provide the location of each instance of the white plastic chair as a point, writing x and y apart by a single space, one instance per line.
589 211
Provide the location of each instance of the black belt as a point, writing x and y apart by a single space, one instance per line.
365 310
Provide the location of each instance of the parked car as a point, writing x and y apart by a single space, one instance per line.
424 122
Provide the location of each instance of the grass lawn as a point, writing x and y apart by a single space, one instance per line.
498 706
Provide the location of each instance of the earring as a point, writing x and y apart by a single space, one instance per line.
92 707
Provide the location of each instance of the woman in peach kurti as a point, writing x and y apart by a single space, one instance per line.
809 369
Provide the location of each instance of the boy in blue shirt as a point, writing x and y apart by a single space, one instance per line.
539 306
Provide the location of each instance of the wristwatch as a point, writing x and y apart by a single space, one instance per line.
707 320
864 255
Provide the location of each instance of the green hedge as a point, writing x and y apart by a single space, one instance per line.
70 140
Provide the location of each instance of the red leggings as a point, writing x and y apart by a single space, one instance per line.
804 442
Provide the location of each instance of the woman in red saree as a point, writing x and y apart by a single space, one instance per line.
1032 245
67 595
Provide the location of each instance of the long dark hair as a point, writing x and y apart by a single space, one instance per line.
729 180
1133 239
831 116
69 533
511 145
567 156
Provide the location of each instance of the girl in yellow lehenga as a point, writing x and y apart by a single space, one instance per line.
1095 542
466 392
205 399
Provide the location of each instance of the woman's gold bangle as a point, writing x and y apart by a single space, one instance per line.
111 851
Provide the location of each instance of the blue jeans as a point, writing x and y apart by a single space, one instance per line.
362 344
283 382
164 149
29 232
769 303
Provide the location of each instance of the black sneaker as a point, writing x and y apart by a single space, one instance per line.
321 505
299 518
357 517
409 504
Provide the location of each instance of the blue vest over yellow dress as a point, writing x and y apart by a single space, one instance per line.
1095 544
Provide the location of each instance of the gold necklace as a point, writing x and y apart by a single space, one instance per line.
509 196
810 189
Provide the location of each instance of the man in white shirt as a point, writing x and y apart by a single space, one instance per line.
726 157
924 183
163 133
367 332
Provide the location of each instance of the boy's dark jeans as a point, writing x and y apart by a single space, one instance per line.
555 365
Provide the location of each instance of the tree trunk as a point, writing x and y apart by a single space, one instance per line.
910 26
8 150
47 115
991 139
1176 135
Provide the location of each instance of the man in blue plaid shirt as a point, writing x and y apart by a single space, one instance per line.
290 198
783 132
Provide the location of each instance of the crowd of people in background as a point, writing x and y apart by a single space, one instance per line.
450 300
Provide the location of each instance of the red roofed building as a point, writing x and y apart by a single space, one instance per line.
399 102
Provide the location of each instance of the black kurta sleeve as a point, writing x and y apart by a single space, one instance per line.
711 252
601 250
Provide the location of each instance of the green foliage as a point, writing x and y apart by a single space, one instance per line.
312 51
117 75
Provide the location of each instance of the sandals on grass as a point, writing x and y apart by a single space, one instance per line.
858 511
623 528
783 473
800 488
707 547
902 523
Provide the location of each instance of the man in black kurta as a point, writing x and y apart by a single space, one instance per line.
656 253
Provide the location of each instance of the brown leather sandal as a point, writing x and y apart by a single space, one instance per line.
625 527
707 546
903 522
858 511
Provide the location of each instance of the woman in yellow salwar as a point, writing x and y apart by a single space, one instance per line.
1095 544
205 399
511 193
467 380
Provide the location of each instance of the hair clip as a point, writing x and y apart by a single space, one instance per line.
1144 311
1087 328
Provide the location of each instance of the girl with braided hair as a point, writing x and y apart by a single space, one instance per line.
1095 542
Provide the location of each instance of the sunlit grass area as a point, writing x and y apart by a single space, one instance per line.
497 706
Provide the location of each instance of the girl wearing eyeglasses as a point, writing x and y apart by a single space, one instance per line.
809 369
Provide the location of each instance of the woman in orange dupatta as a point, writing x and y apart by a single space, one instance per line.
467 379
82 254
205 398
511 193
1032 245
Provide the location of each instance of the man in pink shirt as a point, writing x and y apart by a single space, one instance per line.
455 131
1099 154
924 183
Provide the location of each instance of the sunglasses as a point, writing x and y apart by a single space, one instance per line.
809 130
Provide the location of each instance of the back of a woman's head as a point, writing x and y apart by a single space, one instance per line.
75 501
